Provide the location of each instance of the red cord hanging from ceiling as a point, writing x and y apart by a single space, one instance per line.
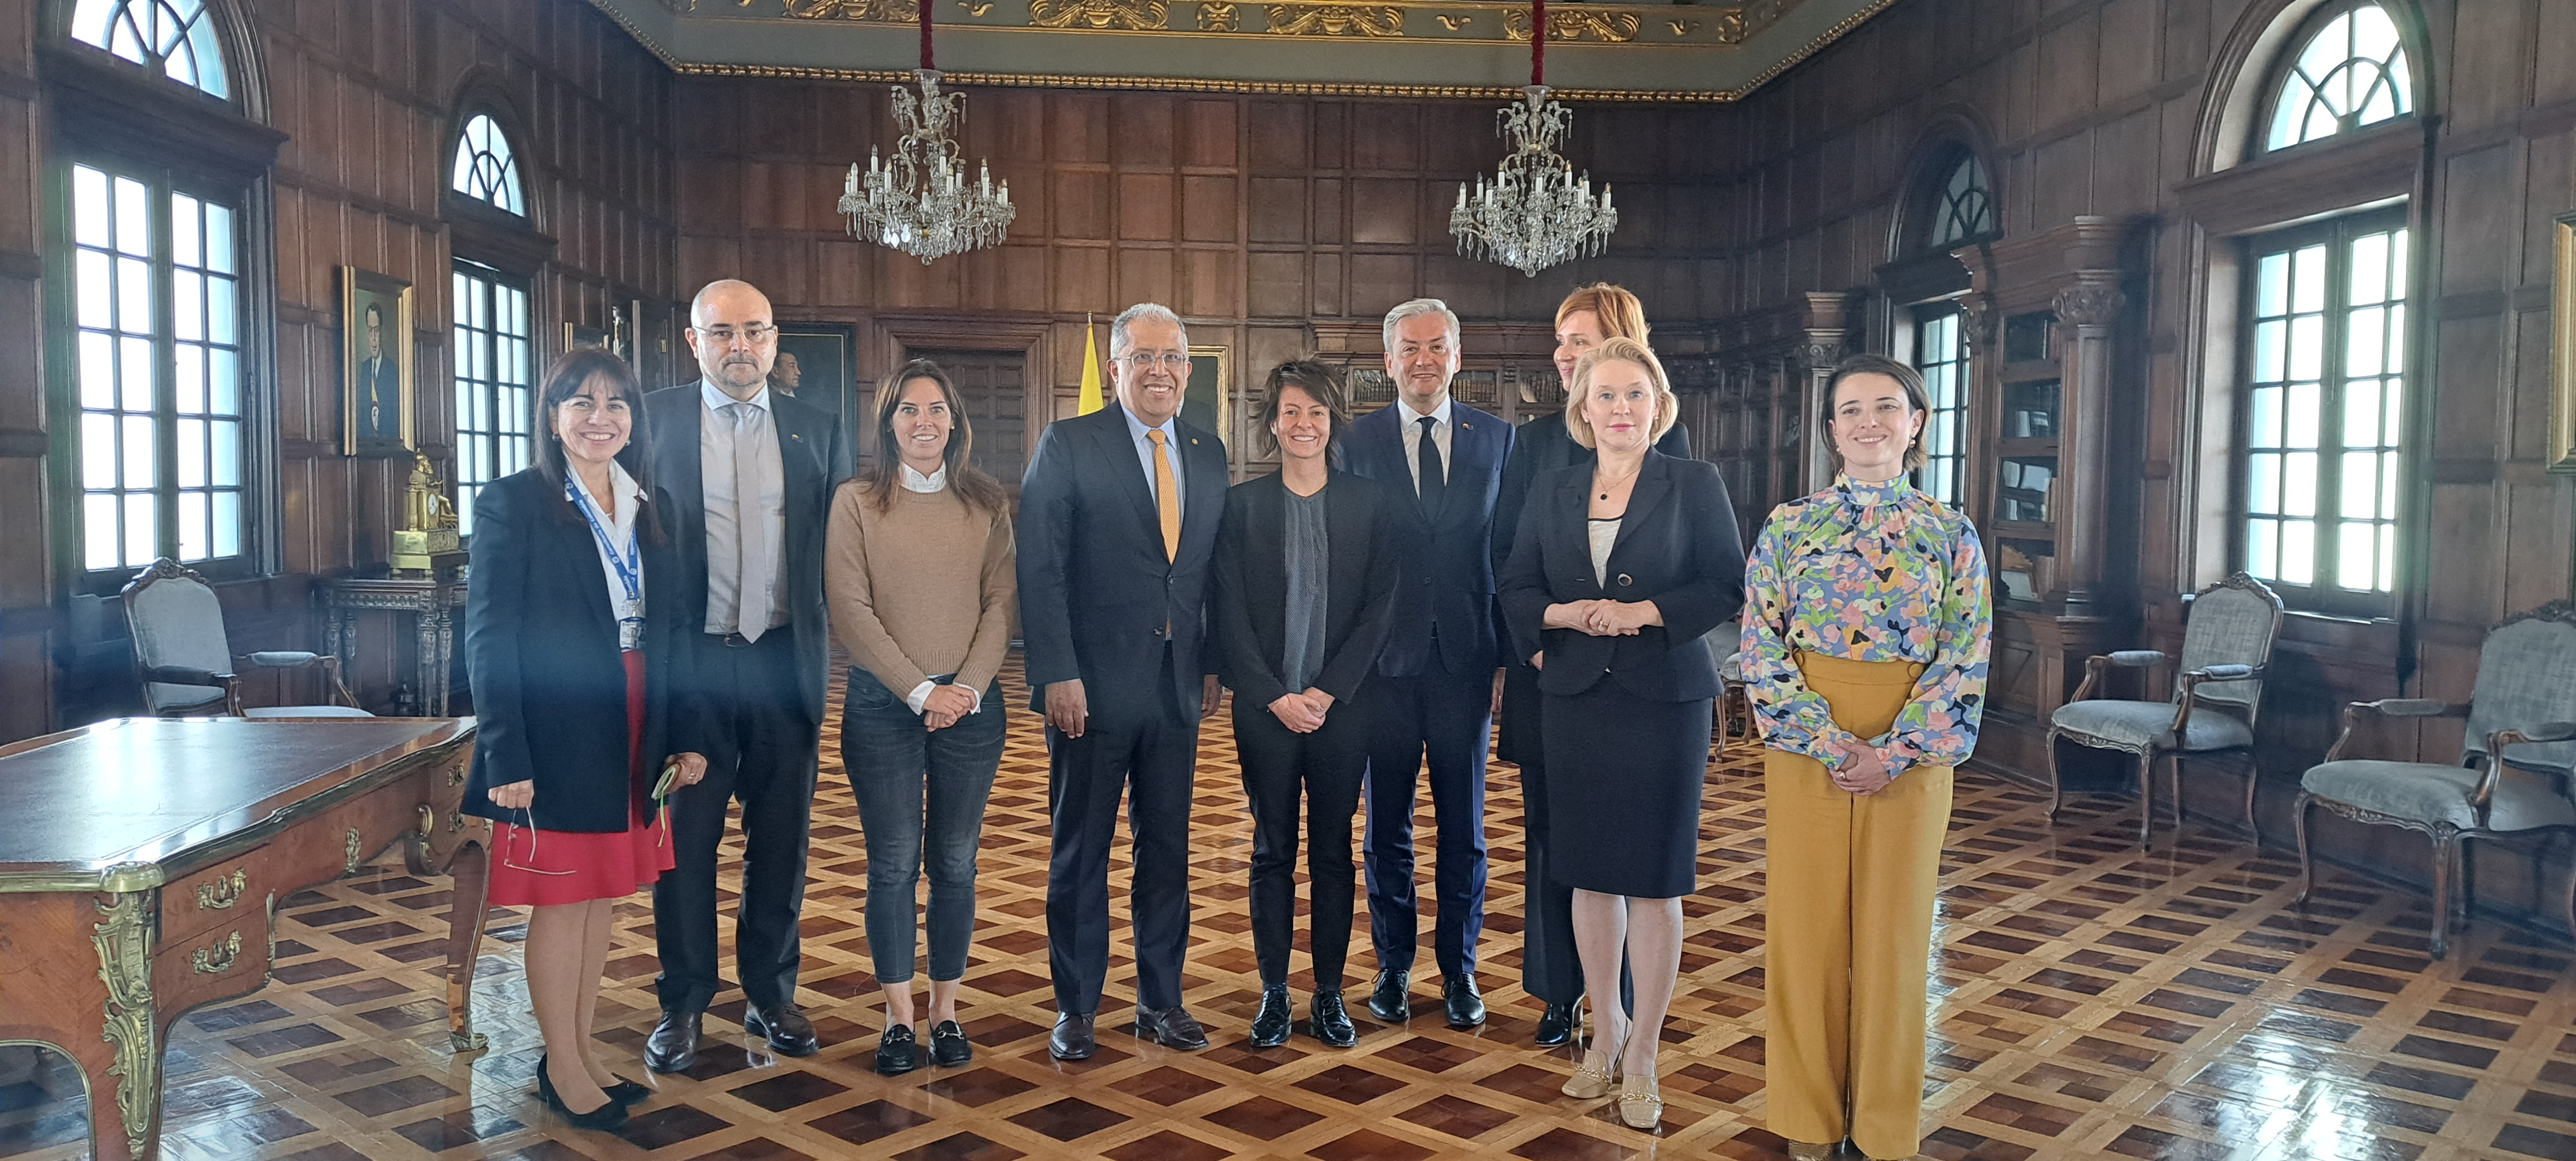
926 65
1538 42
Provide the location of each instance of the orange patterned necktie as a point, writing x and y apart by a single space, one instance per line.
1167 500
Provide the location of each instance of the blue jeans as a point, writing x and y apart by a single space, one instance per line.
921 801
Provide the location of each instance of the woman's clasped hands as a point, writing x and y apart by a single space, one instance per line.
1604 618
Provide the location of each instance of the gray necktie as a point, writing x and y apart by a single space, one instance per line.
752 598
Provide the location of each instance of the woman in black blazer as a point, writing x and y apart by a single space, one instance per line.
1618 571
563 610
1305 590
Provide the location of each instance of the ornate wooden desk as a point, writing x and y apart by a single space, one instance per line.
430 602
141 862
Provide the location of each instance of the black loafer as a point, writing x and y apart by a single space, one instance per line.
1331 1022
1556 1025
785 1027
1391 1000
1466 1007
949 1047
1270 1025
673 1046
1072 1039
897 1053
1170 1027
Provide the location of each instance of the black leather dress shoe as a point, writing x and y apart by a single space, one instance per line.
1390 1001
1270 1026
673 1046
948 1045
785 1027
1556 1025
1171 1028
1466 1007
1330 1021
1071 1039
897 1052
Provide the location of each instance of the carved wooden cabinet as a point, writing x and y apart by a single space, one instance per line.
2045 318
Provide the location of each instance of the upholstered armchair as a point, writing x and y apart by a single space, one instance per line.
186 663
1734 711
2216 698
2524 701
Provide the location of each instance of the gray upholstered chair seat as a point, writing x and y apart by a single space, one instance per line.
2429 792
2142 723
304 711
1731 670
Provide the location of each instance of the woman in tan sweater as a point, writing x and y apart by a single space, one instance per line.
920 574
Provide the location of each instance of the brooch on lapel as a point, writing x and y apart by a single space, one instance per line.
796 437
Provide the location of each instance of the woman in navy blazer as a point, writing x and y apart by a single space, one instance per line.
1306 569
568 599
1618 571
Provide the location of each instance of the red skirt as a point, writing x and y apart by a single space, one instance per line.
551 868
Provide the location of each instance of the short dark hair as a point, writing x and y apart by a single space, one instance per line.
1906 377
1319 381
565 378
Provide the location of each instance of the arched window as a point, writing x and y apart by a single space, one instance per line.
175 36
2351 72
1963 207
486 171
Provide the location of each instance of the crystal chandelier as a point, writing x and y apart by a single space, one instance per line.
1534 212
920 201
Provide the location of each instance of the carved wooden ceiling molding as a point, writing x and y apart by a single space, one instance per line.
1388 48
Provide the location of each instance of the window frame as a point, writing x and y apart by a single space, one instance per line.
1963 379
2258 133
490 384
2323 595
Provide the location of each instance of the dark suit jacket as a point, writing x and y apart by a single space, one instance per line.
379 396
814 459
1677 547
1540 446
549 684
1251 602
1448 562
1096 590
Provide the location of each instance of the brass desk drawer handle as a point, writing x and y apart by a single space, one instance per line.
221 894
216 960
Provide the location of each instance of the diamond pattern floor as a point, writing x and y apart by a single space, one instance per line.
2091 1000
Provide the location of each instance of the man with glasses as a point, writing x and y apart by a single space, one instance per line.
1441 679
1118 517
743 480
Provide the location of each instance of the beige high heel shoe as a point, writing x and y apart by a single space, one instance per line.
1641 1102
1589 1083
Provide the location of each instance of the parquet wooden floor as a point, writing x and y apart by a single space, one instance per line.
2092 1000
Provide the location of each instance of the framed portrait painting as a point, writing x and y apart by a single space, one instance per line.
377 401
1208 401
814 365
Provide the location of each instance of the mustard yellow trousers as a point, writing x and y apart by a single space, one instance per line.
1851 882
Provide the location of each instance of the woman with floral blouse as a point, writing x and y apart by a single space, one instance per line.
1866 625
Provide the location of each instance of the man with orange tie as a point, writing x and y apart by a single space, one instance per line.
1118 517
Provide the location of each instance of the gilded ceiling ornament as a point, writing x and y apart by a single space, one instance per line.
1127 15
1610 27
1372 20
1454 23
1681 27
874 11
1216 16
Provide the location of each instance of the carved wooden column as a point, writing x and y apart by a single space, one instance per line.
2090 308
1827 338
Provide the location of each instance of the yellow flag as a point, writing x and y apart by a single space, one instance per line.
1090 400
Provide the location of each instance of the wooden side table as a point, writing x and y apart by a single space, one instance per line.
431 601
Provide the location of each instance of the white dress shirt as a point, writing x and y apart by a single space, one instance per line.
1171 430
716 467
1439 438
621 532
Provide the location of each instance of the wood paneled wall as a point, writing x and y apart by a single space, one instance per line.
365 91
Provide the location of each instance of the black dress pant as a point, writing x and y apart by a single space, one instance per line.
1442 721
1326 765
762 754
1135 735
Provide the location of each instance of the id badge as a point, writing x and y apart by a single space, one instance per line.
630 633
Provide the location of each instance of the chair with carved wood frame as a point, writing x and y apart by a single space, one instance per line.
1733 708
2226 650
185 661
2524 697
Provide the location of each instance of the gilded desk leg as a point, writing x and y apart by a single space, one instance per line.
473 889
124 942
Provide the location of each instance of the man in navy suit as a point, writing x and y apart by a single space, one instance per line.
1118 519
743 477
1442 660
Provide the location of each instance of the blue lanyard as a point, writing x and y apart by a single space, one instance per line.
630 570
